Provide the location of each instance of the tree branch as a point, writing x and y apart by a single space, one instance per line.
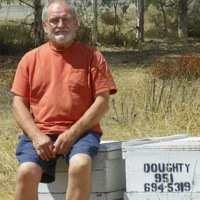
22 1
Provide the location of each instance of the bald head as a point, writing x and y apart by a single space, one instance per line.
54 3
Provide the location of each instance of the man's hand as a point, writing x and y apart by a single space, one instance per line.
64 143
90 118
44 147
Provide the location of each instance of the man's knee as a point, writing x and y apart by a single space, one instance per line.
80 164
29 172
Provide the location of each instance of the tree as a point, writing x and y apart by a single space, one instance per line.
37 24
39 32
115 4
194 19
161 6
95 22
180 7
140 20
182 18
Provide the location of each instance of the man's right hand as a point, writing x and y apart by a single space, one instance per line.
44 147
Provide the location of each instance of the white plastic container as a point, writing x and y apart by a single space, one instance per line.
108 175
165 170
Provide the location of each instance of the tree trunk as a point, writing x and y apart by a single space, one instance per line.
140 20
162 6
39 32
95 22
182 18
116 17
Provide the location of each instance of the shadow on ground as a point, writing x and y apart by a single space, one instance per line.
147 52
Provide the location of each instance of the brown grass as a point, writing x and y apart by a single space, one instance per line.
145 106
184 67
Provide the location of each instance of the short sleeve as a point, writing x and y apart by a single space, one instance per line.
102 79
21 80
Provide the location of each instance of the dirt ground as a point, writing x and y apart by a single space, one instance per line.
147 52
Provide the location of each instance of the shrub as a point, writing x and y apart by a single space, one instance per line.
185 66
84 33
111 38
14 39
109 18
194 22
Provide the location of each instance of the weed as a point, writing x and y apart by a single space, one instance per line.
184 67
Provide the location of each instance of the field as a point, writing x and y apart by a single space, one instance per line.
145 106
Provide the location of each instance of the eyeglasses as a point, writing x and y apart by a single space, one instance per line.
56 21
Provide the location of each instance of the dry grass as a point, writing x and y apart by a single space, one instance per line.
8 132
143 107
148 107
8 162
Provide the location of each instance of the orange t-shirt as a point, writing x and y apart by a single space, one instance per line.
61 84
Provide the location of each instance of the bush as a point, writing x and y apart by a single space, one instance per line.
111 38
194 28
194 22
109 18
186 66
14 39
84 33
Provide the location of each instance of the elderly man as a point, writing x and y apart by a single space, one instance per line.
61 91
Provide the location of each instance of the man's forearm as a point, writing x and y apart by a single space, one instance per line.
24 118
92 116
42 143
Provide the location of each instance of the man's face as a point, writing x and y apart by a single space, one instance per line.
60 25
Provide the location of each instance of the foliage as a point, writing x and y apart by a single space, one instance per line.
110 3
111 38
185 66
114 16
109 19
84 33
7 1
116 23
194 21
14 39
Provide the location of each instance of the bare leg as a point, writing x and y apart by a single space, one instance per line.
28 178
79 180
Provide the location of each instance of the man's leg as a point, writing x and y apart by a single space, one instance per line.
79 180
28 178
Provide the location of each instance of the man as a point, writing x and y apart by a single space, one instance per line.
61 92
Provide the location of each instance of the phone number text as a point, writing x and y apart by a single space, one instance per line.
167 187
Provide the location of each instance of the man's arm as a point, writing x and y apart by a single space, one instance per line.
24 119
90 118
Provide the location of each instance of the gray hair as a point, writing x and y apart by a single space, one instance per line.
44 10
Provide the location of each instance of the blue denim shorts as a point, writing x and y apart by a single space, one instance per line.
88 144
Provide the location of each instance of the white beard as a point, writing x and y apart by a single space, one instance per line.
61 37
